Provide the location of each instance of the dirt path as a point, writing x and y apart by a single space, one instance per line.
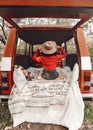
36 126
39 126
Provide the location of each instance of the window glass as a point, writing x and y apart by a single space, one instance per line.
46 21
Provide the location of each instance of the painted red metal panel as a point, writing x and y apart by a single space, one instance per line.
82 52
9 52
80 3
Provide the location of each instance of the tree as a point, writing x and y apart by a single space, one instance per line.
3 31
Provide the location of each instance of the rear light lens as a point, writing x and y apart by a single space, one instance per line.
87 80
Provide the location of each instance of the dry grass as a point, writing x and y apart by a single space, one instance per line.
88 119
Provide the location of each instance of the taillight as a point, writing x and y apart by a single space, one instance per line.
87 80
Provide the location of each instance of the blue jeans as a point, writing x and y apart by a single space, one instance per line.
49 74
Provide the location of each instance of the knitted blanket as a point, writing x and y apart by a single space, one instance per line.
47 101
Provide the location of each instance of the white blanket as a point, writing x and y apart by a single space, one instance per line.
56 102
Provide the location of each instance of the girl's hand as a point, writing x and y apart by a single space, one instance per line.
57 47
40 48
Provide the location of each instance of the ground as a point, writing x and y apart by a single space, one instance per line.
37 126
6 121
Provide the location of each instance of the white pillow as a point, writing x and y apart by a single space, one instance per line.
19 78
